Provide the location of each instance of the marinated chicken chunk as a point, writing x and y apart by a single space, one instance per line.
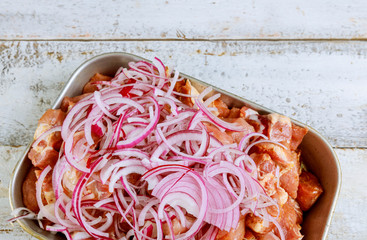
234 113
266 168
279 128
229 137
94 189
48 195
235 234
51 118
281 196
297 136
43 156
177 227
277 153
223 137
237 136
91 85
290 220
46 152
68 102
29 191
258 225
289 180
222 108
246 112
185 87
269 236
249 235
309 190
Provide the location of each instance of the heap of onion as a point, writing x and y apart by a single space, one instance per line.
136 124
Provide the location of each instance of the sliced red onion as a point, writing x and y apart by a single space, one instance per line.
178 137
135 125
55 228
244 141
204 195
17 216
173 83
133 141
219 122
211 99
169 223
45 210
263 141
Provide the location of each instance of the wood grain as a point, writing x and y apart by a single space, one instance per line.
348 222
9 156
305 59
320 84
351 210
183 19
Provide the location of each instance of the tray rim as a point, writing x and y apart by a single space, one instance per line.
256 106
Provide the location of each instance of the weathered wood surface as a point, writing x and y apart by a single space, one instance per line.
177 19
8 158
349 221
321 84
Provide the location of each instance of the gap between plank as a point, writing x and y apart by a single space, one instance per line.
187 39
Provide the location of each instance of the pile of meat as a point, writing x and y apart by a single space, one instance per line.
280 170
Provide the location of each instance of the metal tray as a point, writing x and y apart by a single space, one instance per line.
317 153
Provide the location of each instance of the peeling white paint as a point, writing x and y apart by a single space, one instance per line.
183 19
321 83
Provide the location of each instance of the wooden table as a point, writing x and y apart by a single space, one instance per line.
305 59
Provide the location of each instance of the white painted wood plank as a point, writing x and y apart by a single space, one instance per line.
9 156
349 221
321 84
183 19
